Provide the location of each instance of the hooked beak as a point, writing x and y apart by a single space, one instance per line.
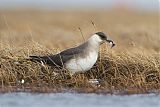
111 42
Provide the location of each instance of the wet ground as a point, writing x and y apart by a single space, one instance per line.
78 100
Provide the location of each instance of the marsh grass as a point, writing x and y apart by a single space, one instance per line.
133 66
127 72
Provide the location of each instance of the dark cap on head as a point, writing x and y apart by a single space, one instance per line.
102 35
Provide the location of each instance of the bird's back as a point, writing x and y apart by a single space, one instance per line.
61 58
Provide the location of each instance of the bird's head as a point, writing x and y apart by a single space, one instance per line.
101 37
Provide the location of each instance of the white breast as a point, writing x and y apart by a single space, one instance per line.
82 64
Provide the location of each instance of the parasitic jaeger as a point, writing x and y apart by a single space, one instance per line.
77 59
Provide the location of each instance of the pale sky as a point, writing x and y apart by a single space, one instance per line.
137 4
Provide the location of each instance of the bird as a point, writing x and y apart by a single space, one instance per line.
77 59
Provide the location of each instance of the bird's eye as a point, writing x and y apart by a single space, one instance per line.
103 37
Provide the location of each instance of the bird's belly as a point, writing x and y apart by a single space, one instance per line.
82 64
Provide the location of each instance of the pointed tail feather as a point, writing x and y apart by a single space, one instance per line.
44 59
36 59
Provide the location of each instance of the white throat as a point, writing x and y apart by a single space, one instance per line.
94 42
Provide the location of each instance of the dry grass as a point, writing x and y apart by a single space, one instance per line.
133 66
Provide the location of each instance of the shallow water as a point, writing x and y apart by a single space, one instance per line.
77 100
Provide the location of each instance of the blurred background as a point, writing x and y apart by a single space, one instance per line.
56 23
145 5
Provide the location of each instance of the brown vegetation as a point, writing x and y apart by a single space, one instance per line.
133 66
